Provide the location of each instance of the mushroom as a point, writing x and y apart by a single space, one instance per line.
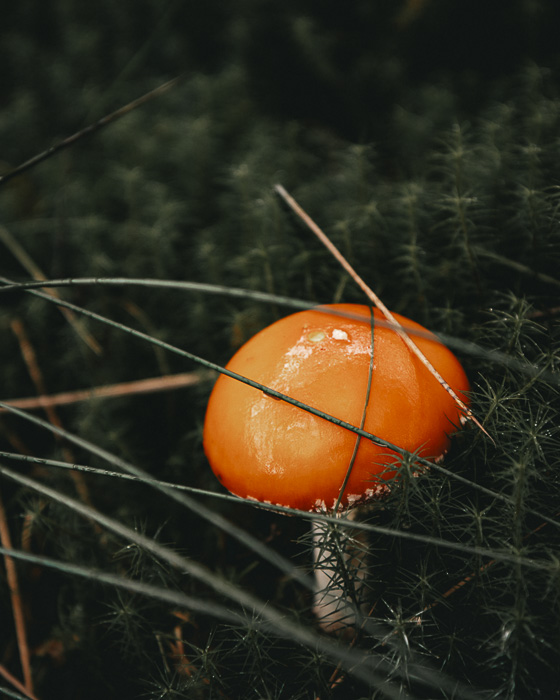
268 450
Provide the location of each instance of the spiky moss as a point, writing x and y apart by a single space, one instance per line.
449 211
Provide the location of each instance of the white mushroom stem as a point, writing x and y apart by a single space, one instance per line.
340 564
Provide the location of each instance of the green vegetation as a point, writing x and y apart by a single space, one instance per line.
425 141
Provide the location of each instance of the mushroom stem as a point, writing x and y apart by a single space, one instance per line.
340 565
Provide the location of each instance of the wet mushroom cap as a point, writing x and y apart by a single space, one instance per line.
263 448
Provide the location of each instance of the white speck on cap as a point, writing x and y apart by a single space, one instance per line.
320 505
338 334
316 336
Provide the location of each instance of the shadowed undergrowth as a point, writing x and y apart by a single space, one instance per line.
134 589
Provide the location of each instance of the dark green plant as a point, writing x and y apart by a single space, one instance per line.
441 187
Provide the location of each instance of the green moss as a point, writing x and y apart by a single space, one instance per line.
437 179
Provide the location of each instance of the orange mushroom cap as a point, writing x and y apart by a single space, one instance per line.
265 449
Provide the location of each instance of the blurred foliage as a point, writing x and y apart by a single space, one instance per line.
424 138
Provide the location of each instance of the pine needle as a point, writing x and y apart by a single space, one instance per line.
295 207
141 386
90 129
25 260
17 606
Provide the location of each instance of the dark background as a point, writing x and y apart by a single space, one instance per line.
424 137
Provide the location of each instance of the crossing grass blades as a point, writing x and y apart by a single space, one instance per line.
127 570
